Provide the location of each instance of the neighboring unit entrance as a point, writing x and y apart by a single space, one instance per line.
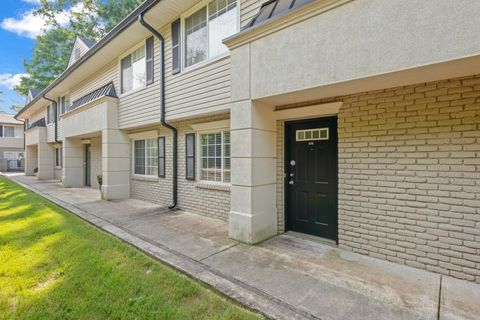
311 168
88 164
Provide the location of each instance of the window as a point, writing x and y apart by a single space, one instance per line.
206 28
63 105
176 56
50 114
215 156
161 157
58 157
145 157
133 70
9 132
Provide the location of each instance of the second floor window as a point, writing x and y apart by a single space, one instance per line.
206 28
133 70
11 132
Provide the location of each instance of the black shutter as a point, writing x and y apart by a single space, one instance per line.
161 157
1 131
190 156
176 54
48 115
149 49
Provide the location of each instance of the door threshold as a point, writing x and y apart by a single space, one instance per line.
312 238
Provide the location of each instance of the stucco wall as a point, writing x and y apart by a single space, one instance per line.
409 175
363 38
191 196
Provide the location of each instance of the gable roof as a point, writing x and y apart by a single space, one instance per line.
9 119
32 93
118 29
273 9
88 42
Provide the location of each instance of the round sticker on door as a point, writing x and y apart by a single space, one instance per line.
292 163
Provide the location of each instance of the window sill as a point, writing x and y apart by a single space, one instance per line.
144 178
213 186
204 63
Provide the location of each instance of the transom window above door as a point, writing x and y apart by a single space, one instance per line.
205 29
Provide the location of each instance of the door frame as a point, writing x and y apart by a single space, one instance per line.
287 150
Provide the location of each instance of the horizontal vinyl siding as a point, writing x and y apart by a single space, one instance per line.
105 75
249 9
142 107
38 115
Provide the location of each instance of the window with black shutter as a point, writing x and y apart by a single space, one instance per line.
190 156
149 54
161 157
176 46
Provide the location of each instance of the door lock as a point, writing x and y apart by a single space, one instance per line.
290 182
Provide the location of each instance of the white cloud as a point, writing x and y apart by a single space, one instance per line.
31 26
32 1
9 80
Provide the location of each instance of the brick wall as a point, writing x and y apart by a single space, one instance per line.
192 196
409 175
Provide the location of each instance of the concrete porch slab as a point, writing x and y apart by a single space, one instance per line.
194 236
286 277
460 300
330 283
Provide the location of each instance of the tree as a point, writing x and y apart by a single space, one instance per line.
88 18
16 107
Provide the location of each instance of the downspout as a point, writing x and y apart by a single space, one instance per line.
162 106
56 116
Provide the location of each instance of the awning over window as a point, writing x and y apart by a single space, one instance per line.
107 90
275 8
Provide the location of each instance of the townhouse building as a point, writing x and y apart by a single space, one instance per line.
353 121
11 144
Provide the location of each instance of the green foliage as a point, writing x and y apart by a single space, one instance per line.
57 266
91 19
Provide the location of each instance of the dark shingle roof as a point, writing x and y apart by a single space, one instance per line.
38 123
34 92
274 8
107 90
88 42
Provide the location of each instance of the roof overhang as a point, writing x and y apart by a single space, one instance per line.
121 38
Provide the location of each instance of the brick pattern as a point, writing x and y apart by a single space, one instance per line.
409 175
192 196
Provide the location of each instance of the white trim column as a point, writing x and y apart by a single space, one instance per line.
253 215
73 173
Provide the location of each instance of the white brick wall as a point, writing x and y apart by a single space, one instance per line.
191 195
409 175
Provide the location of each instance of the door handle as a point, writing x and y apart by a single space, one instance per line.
291 182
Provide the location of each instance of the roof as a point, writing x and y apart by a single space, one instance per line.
107 90
34 92
88 42
119 28
9 119
275 8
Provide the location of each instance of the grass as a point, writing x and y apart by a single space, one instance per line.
54 265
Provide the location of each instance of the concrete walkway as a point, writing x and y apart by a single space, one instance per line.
286 277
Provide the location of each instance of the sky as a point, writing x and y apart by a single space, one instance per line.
18 30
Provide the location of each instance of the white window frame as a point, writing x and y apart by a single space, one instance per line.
17 131
142 136
120 58
206 128
64 95
16 153
209 59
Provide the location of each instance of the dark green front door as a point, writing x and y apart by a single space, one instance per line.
311 168
88 164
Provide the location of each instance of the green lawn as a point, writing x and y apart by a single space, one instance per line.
54 265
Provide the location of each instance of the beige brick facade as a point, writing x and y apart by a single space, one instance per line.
409 175
192 196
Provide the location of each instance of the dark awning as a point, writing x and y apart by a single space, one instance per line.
107 90
275 8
